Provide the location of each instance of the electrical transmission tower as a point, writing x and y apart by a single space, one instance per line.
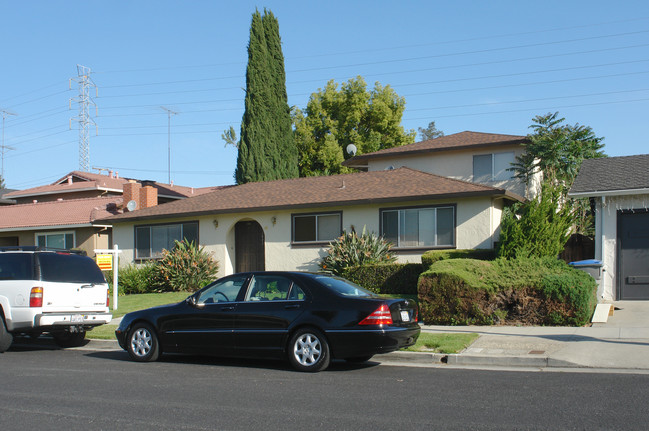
4 148
84 100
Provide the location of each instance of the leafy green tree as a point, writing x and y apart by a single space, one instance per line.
336 117
430 132
537 228
557 150
266 150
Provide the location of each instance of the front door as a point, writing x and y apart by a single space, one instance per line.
633 253
249 245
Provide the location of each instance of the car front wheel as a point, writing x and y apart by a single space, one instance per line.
309 350
142 343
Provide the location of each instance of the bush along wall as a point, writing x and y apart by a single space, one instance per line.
531 291
432 256
393 279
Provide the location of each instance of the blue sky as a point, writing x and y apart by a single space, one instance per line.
467 65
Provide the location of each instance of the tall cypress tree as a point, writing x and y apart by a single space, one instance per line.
267 150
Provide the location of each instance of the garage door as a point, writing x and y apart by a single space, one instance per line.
633 247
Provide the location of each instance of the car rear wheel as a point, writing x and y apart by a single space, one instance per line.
5 336
69 339
309 350
142 343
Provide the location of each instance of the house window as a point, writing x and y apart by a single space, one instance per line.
151 240
311 228
55 240
493 167
419 227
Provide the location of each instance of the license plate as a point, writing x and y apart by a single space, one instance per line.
76 318
405 316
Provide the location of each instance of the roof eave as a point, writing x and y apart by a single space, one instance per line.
600 193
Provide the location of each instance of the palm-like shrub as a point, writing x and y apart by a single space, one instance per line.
353 250
187 267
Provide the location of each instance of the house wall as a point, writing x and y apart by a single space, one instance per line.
454 164
606 238
86 238
475 229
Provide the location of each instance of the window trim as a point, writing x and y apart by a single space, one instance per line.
64 232
316 214
416 248
493 166
135 227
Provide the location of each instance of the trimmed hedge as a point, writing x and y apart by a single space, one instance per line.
432 256
394 279
534 291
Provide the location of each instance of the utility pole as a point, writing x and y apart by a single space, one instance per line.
84 100
4 148
169 113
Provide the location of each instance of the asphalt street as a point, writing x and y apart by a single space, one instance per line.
54 389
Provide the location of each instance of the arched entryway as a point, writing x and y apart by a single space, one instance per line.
249 246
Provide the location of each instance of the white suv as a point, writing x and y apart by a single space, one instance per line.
54 291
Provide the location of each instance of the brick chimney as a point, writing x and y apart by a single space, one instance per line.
148 197
132 193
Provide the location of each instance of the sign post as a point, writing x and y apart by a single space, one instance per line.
107 260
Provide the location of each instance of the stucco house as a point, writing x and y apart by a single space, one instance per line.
287 224
620 188
63 214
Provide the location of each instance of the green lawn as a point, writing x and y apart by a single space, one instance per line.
442 343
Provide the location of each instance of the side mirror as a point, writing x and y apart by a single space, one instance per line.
192 300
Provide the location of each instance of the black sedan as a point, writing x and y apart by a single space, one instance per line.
308 318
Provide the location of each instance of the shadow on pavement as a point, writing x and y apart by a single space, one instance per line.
271 364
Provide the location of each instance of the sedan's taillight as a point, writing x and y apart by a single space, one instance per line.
381 316
36 297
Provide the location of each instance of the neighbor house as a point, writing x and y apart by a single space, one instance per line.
63 214
619 187
288 224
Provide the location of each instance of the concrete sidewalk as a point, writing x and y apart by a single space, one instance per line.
620 343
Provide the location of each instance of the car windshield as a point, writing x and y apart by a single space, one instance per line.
344 287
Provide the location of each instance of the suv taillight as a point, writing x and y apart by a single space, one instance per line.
108 298
36 297
381 316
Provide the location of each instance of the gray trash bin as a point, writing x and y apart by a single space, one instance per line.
591 266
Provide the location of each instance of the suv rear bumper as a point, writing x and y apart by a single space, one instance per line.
72 319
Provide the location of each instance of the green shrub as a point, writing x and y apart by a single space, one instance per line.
432 256
137 279
536 228
187 267
392 278
352 250
540 291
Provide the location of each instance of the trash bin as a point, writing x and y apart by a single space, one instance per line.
591 266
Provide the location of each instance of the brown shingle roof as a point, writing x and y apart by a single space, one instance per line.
397 185
57 213
91 181
457 141
609 174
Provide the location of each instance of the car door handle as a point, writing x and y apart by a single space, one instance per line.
291 307
227 308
